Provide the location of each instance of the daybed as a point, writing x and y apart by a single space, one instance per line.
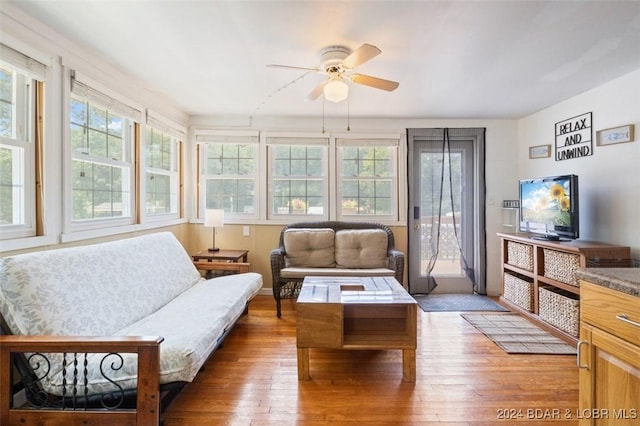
74 314
332 248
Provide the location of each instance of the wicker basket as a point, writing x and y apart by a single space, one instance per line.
519 291
561 266
520 255
559 308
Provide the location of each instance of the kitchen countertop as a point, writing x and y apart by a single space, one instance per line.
625 280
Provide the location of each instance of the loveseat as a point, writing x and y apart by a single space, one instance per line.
74 314
332 248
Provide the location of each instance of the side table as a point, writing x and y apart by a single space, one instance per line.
221 262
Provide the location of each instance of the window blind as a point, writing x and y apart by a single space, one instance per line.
235 139
90 94
34 69
285 140
367 142
166 126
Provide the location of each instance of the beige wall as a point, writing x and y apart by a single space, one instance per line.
609 178
261 240
195 237
180 231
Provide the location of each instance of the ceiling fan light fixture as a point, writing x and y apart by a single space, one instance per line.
336 91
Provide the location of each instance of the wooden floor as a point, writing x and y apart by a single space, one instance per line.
462 379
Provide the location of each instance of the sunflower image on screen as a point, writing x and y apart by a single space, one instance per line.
549 206
548 203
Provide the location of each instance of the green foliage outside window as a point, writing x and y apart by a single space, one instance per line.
367 174
12 153
6 186
161 186
230 180
6 103
431 176
99 185
298 182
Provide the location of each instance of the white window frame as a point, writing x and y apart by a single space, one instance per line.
103 98
171 174
331 176
298 139
204 137
389 141
177 133
22 145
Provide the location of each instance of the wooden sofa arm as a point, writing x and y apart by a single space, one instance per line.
147 411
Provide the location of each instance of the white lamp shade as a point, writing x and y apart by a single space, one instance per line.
336 91
214 218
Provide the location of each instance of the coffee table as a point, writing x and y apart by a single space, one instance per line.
356 313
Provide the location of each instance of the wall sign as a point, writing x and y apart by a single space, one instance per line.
574 137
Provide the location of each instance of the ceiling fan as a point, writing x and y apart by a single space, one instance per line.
338 63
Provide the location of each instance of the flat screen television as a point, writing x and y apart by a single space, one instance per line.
549 207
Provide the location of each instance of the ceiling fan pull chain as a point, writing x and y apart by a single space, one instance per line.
270 95
323 102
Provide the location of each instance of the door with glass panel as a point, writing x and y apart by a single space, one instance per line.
446 211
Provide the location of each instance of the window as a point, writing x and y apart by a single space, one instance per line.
297 181
101 162
162 178
298 176
367 178
102 171
18 75
229 172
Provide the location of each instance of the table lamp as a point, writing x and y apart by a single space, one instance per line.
214 218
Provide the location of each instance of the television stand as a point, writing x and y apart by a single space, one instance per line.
550 238
539 282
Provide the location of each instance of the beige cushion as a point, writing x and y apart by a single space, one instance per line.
298 273
361 248
309 247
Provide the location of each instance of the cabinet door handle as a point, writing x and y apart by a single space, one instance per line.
579 354
625 318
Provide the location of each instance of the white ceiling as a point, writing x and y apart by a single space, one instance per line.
462 59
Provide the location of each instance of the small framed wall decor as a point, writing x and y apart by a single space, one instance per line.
540 151
615 135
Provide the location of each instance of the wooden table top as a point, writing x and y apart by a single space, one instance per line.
222 254
347 290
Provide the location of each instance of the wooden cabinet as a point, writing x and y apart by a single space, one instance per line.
538 278
609 357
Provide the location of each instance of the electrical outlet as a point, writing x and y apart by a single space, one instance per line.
245 231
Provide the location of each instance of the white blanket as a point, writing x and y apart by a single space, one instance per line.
142 286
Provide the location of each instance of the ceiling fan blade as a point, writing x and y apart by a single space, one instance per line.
315 93
361 55
378 83
292 67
